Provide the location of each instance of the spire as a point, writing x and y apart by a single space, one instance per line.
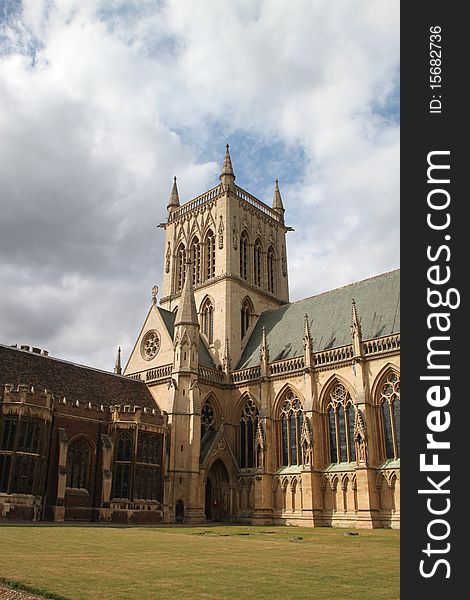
174 200
187 313
277 200
356 333
227 176
117 364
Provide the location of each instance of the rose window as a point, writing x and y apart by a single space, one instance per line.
150 345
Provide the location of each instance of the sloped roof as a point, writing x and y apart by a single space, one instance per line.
205 358
378 305
74 381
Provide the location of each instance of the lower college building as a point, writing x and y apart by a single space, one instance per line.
235 404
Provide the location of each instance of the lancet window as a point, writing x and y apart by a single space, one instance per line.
244 256
180 267
270 265
196 261
210 254
248 426
292 418
257 263
246 315
207 312
341 417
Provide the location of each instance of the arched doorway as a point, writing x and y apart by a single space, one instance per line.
217 500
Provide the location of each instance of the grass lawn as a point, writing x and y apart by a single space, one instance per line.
112 563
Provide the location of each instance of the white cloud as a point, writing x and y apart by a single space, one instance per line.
123 95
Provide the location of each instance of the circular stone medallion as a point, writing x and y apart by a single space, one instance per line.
150 344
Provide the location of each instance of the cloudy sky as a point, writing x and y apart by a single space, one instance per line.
103 101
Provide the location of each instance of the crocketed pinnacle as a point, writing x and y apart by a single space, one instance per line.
174 200
355 325
307 334
187 313
227 169
117 364
277 200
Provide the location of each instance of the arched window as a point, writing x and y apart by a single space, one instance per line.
248 426
122 465
180 267
341 414
210 254
292 419
244 256
78 464
207 417
390 405
207 312
257 263
196 261
270 267
245 313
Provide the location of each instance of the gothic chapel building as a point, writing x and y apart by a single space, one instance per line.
259 410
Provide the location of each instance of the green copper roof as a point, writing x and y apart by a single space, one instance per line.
378 306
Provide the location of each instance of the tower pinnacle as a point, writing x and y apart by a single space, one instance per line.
277 200
174 200
227 176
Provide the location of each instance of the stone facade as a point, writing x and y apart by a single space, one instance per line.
278 412
235 404
74 443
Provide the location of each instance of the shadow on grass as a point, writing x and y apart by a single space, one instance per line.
18 585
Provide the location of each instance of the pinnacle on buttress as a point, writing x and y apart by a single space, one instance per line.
307 335
356 333
117 364
264 348
226 358
227 176
277 200
187 312
174 200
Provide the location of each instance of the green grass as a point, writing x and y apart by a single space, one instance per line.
111 563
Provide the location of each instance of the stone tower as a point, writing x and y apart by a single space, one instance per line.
236 246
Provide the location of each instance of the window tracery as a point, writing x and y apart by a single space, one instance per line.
248 427
341 419
390 408
207 417
292 420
